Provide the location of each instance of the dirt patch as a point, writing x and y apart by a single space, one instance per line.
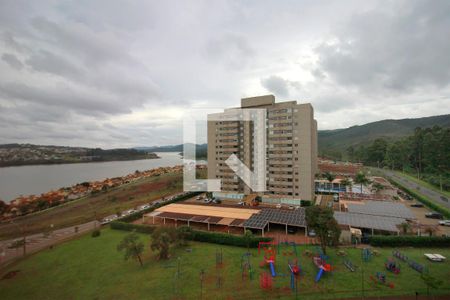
10 274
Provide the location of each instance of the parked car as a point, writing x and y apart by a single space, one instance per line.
145 206
278 205
217 201
291 207
241 203
434 215
199 198
312 233
444 222
417 205
291 230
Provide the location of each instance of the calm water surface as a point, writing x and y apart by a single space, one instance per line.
26 180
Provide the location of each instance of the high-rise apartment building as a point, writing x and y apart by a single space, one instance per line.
291 149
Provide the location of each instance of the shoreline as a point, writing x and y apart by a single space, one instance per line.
39 163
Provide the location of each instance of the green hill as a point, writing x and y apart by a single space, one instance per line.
340 139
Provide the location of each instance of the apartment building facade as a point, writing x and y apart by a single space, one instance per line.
291 149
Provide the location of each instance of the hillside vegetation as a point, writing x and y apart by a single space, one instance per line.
333 143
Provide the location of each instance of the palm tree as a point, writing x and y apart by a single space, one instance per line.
330 177
361 179
346 182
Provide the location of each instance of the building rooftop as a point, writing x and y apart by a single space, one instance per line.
381 208
368 221
278 216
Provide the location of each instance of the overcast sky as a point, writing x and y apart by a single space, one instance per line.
121 73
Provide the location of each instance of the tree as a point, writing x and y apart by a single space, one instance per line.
321 219
248 236
406 227
377 152
132 247
351 153
361 179
346 182
330 177
161 240
182 235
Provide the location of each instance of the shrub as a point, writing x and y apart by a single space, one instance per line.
197 235
95 233
410 241
118 225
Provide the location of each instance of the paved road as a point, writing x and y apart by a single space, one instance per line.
37 242
431 194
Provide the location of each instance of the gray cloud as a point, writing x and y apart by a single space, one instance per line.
399 49
98 73
277 85
12 61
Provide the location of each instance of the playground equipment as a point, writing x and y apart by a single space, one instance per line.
269 256
414 265
295 271
321 254
366 254
265 281
380 278
293 244
392 266
349 265
322 265
400 255
246 267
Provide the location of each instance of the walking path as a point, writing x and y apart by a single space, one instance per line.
40 241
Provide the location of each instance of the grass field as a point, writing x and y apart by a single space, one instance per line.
102 204
91 268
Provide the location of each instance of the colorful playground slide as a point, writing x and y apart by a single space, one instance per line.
322 265
272 269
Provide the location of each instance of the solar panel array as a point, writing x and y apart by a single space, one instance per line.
381 208
279 216
368 221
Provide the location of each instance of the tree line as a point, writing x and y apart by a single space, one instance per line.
426 154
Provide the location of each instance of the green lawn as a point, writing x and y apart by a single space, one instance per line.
91 268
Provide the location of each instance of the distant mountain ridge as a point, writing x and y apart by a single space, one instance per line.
169 148
341 139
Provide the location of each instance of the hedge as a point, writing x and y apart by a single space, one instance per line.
197 235
226 239
405 240
445 212
137 215
118 225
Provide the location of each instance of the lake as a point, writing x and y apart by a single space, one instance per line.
38 179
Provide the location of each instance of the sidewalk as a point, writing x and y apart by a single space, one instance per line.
38 242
